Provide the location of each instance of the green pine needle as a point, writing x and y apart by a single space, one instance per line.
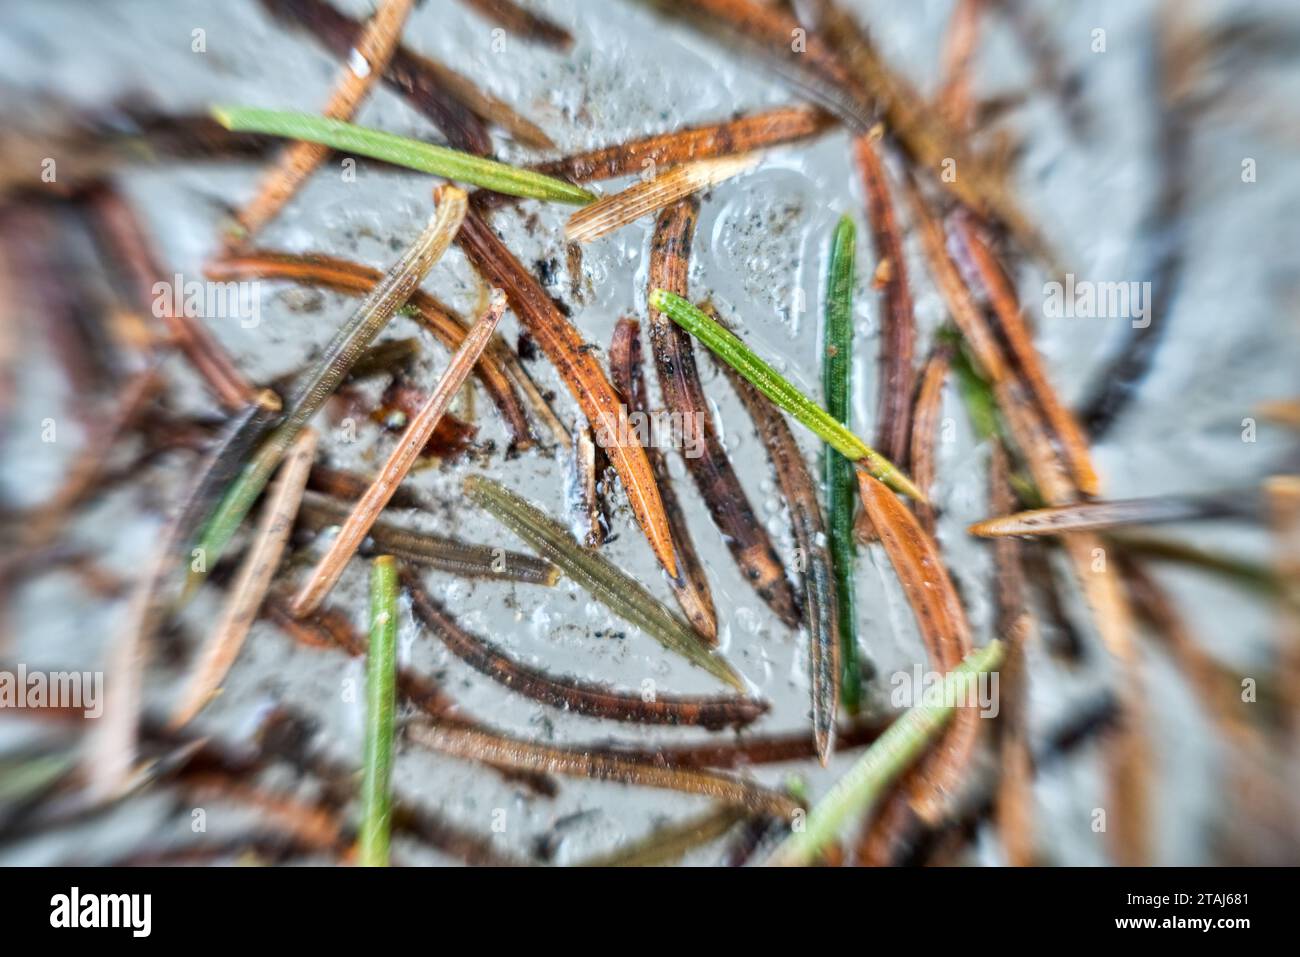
401 151
891 754
381 679
779 389
841 484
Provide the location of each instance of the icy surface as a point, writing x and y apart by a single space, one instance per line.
761 253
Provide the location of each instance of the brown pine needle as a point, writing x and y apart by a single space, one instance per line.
122 235
571 694
955 100
612 212
354 530
667 845
925 431
1128 760
331 628
329 370
426 85
898 325
1103 516
961 305
582 485
580 371
480 102
1054 482
942 622
502 751
821 614
311 825
702 451
112 752
691 589
929 141
245 599
111 744
1283 411
1283 495
42 524
607 583
433 551
745 134
821 605
1216 687
350 486
810 64
451 101
1014 799
524 23
366 64
497 368
747 750
1068 433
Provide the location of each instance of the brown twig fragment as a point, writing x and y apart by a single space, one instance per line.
571 694
691 588
701 445
367 62
409 446
581 373
222 646
500 750
898 326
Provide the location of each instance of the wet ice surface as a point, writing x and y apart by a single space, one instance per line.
760 252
